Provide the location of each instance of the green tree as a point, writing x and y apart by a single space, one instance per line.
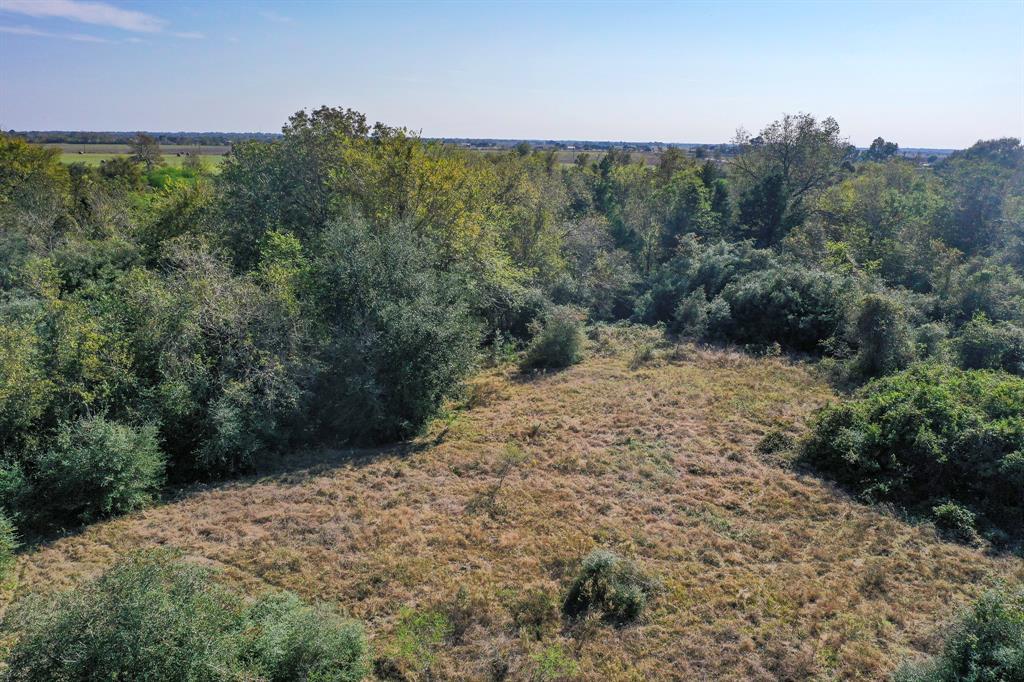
146 150
880 150
781 170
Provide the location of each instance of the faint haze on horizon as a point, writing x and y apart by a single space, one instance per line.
938 75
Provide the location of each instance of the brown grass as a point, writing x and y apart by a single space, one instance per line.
767 574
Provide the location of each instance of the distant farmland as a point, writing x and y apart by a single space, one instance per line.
174 154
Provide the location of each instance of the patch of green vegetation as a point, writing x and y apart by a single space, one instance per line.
609 586
557 341
151 617
929 437
986 644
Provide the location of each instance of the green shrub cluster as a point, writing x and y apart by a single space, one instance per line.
983 344
151 617
936 440
986 644
8 545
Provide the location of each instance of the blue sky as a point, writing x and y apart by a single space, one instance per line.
925 74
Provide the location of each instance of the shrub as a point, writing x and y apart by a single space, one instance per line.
774 441
613 587
990 345
698 267
719 319
691 316
96 468
557 343
145 619
288 640
930 340
928 436
985 644
795 306
153 618
882 334
955 521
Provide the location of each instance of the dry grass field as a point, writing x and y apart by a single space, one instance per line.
456 548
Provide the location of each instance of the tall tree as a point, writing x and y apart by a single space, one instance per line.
780 170
146 150
880 150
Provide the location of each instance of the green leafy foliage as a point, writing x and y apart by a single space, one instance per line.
95 468
985 644
8 545
557 342
882 334
797 307
983 344
151 617
397 335
927 437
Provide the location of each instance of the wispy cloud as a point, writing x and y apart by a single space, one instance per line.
270 15
97 13
28 31
189 35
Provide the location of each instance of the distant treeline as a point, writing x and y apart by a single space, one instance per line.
126 137
591 145
718 150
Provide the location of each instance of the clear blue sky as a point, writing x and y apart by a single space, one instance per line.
925 74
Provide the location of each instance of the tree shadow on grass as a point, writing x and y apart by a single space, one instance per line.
292 469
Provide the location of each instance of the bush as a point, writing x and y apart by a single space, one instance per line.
610 586
288 640
95 468
882 334
144 619
152 618
557 343
775 441
928 436
955 521
797 307
986 644
990 345
698 267
691 316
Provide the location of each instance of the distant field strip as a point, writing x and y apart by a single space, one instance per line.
174 154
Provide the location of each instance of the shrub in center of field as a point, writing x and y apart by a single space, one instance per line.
610 586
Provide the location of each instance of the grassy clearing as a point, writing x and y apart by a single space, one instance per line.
171 160
457 548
